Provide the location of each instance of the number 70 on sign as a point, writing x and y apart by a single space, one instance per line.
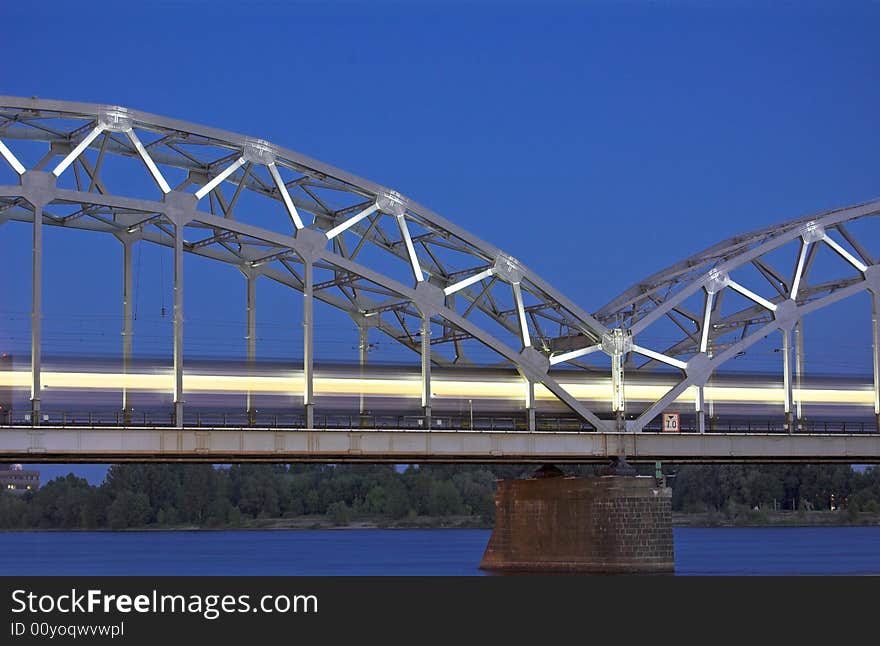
671 423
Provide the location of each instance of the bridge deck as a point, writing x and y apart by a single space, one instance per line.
163 444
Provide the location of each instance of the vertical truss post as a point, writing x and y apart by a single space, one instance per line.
701 414
616 344
786 378
127 324
251 342
426 368
36 313
308 344
178 324
363 351
799 371
875 328
530 403
618 401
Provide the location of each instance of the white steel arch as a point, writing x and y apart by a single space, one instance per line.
315 221
709 339
277 214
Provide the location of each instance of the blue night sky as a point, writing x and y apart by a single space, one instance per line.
598 142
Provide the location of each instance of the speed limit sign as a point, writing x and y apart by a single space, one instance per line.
671 423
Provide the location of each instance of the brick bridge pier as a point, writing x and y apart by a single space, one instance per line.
604 524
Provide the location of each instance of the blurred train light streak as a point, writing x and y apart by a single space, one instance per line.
597 389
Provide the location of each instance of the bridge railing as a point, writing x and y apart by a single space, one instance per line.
283 420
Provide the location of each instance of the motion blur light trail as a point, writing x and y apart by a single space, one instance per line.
598 389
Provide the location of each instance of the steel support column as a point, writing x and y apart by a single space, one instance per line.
36 312
178 325
363 351
617 394
530 404
308 344
799 371
875 327
699 406
426 368
127 324
786 378
251 342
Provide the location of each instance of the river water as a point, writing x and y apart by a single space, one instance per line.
698 551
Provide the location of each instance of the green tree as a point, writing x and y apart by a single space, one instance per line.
339 513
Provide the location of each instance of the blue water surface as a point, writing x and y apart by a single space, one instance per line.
698 551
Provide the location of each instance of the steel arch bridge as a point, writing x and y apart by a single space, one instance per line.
396 266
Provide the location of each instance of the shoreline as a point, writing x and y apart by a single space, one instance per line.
751 518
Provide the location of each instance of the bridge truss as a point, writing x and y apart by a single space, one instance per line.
395 266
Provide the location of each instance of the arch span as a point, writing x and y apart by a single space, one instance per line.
386 260
393 264
784 289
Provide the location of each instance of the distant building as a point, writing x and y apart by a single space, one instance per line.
16 480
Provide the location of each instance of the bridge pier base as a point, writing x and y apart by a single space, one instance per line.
606 524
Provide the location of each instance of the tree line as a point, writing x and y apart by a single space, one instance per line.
194 495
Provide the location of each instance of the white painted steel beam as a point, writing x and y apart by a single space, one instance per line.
657 356
76 152
521 313
350 222
574 354
760 300
11 159
410 250
799 271
285 196
467 282
707 320
843 253
226 172
151 165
